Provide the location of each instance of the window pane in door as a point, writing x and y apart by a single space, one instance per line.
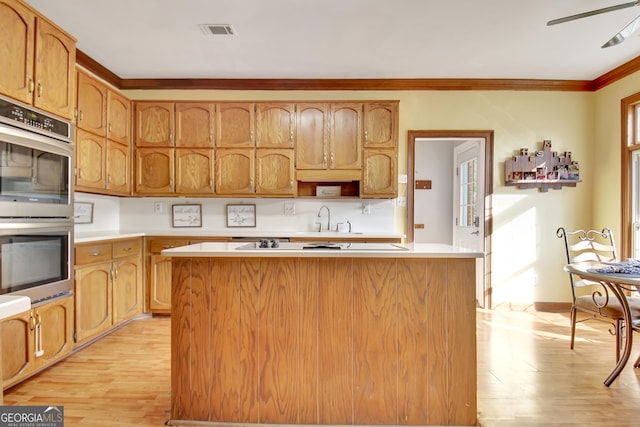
468 182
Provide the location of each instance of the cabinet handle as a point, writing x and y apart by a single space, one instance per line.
211 184
115 273
291 185
366 136
32 323
109 128
96 253
39 89
32 85
127 249
81 115
332 161
171 184
171 138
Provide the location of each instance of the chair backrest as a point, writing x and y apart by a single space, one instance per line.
583 246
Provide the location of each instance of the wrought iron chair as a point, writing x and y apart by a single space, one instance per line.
594 298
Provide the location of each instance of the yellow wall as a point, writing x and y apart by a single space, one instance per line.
525 248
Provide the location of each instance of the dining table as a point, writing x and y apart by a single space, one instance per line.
619 284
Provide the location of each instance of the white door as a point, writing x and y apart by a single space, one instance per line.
468 204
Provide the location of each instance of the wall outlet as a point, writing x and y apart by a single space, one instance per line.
366 208
289 209
402 201
158 207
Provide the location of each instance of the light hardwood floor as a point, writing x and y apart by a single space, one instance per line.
527 376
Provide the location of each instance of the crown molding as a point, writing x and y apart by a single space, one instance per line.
361 84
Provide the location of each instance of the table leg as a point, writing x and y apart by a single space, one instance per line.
628 338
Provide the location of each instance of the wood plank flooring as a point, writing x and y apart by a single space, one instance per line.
527 376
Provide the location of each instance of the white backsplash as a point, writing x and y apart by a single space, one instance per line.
137 214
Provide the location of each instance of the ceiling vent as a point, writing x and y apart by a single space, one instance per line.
218 29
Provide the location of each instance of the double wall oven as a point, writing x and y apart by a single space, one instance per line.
36 202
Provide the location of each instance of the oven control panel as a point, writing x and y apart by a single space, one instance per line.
14 113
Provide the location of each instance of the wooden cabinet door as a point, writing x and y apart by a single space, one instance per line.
90 161
194 171
379 174
195 124
55 61
154 124
275 125
345 146
380 124
17 30
127 289
160 284
92 105
274 172
18 343
55 321
118 167
118 118
154 171
312 136
235 171
235 125
93 292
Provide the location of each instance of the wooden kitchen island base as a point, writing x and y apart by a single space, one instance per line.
323 340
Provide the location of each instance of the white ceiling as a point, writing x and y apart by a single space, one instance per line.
347 38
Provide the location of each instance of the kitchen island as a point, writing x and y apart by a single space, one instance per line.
356 335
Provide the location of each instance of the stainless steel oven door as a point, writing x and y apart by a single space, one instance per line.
35 175
36 258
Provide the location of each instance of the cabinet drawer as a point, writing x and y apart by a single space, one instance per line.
126 248
157 246
87 254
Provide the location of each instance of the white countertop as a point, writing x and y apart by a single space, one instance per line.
10 305
83 237
418 250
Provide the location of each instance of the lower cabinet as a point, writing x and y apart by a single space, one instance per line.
36 339
108 286
158 269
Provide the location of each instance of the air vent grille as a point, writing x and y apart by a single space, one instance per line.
218 29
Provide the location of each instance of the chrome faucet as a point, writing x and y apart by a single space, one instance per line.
328 217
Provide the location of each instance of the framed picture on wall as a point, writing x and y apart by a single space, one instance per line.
186 216
83 212
241 215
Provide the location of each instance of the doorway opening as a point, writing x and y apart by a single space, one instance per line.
486 227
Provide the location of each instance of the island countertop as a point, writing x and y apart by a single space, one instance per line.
354 250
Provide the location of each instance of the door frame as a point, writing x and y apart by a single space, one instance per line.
487 135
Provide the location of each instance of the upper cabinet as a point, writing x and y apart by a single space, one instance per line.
275 125
118 118
345 145
236 124
37 60
154 124
381 125
239 149
195 124
92 105
103 154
